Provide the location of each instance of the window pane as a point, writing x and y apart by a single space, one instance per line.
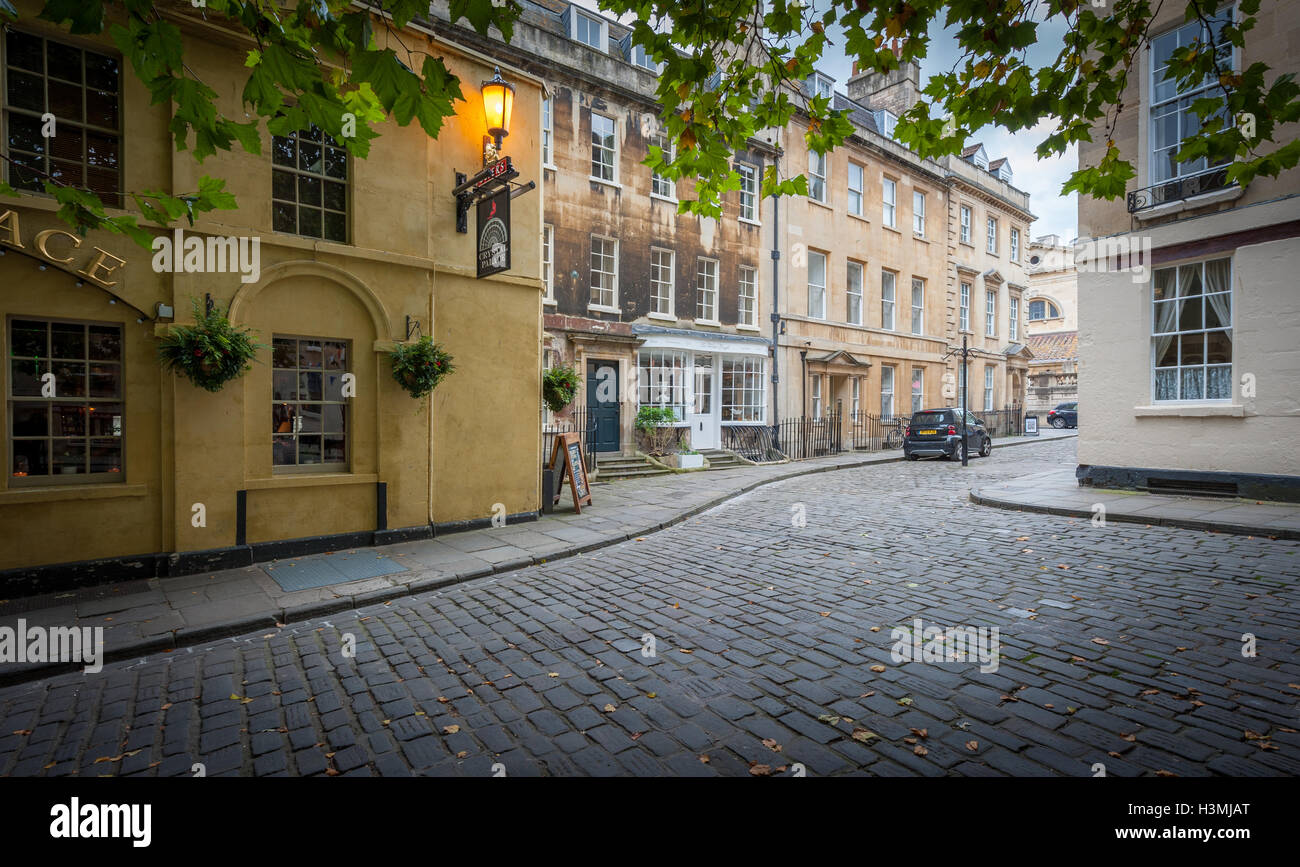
1218 347
31 458
28 339
31 420
69 457
106 456
105 380
1193 383
68 341
1218 385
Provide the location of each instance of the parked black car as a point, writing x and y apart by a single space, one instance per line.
1065 415
935 432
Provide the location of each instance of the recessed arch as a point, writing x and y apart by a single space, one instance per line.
309 268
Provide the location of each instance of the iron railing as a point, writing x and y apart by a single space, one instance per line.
803 437
1176 190
575 421
752 442
1005 422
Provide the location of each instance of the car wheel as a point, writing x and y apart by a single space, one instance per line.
957 452
1058 423
986 447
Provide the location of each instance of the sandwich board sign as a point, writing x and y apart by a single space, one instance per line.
1031 425
568 462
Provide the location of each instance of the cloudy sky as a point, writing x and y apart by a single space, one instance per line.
1042 179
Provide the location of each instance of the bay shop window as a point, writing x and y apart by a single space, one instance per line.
670 378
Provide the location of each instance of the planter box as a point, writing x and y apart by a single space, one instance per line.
687 462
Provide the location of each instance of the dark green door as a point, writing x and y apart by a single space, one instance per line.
602 404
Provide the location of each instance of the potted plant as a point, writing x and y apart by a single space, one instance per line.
559 385
209 353
689 459
418 367
655 422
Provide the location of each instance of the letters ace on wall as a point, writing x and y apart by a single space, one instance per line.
494 233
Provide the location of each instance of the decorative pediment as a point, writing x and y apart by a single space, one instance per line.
992 275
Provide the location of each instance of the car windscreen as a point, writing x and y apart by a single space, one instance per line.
924 418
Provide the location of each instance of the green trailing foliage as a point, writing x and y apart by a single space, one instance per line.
728 71
209 353
655 424
418 367
559 385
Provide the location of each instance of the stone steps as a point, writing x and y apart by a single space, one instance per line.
618 467
720 460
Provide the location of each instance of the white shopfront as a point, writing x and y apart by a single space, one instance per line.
709 381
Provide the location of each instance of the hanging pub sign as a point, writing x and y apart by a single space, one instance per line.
494 233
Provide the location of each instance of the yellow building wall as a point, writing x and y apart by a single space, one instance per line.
473 444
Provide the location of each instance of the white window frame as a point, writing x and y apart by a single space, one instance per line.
671 389
918 389
1176 334
816 395
817 290
819 176
990 313
964 320
612 307
641 58
657 269
548 132
1014 250
599 178
854 276
992 227
988 388
660 186
744 389
1179 104
857 194
886 392
967 215
601 35
822 85
918 213
889 202
918 305
888 298
548 261
1014 320
747 297
856 398
748 193
706 291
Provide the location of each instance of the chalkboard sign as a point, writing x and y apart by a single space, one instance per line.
567 458
1031 425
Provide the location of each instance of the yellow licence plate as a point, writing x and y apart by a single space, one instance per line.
925 432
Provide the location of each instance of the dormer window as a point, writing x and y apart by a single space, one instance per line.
821 85
640 58
885 122
1004 172
981 159
587 29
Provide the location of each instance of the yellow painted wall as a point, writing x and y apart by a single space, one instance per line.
474 444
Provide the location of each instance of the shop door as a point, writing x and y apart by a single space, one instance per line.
602 404
704 411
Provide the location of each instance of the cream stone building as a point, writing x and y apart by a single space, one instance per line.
1188 306
875 268
1053 328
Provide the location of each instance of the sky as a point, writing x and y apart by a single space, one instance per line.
1042 179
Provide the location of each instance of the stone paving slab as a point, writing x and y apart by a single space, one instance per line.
1057 492
199 607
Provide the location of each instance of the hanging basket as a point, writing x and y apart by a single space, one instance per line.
209 353
559 385
419 367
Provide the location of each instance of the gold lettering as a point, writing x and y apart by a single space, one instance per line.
97 264
42 238
9 222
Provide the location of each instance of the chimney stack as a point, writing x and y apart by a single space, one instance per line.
895 91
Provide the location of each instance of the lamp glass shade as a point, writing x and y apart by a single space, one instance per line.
498 102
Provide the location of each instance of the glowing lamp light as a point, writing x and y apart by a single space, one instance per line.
498 103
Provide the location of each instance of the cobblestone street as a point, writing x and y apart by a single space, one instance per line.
1120 646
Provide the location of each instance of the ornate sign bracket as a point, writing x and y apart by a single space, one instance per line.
470 190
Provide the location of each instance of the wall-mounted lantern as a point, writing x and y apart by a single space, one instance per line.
498 103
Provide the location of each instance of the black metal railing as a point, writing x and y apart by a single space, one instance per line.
751 442
802 438
1005 422
874 433
577 421
1176 190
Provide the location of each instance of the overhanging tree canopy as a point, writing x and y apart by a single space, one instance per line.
728 71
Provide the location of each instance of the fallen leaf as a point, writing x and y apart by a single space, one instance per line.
863 735
331 772
609 708
877 668
1150 692
652 695
760 770
921 733
450 730
905 700
462 754
920 750
1165 774
829 718
1100 641
772 745
704 759
867 694
875 629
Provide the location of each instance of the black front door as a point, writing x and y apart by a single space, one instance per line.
602 404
